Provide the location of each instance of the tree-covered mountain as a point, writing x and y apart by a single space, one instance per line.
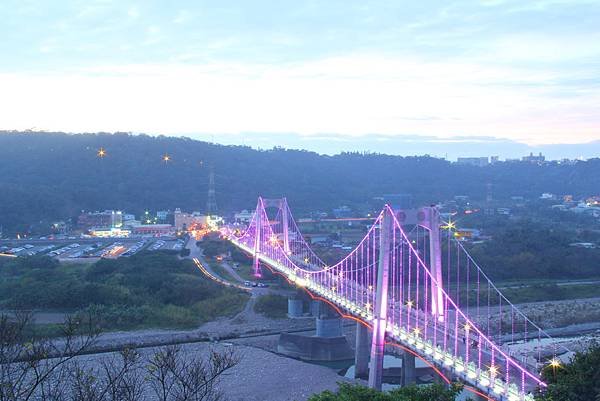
46 176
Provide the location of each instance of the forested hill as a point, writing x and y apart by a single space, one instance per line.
46 176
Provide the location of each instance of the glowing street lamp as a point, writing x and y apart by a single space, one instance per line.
554 363
450 225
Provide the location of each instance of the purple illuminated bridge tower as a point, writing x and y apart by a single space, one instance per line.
420 293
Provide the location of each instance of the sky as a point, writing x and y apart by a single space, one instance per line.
519 72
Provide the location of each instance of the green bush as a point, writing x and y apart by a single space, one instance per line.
271 305
352 392
147 289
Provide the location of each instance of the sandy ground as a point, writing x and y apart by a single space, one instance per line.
260 375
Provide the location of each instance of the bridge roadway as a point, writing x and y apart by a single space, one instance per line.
412 328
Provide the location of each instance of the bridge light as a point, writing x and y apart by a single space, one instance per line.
305 260
417 331
493 370
409 303
166 158
499 387
101 153
467 327
484 379
554 363
368 306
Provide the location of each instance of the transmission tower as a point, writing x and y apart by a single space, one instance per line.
211 203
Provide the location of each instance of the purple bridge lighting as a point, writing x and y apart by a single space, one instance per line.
414 286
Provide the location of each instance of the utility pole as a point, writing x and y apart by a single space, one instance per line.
211 203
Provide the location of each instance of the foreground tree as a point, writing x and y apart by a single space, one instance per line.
29 362
35 368
578 380
349 392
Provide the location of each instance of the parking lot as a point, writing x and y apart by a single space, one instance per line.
87 248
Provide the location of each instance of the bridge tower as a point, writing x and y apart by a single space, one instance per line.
435 260
256 266
285 220
381 303
429 218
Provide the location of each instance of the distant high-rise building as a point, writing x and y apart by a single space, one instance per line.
494 159
533 158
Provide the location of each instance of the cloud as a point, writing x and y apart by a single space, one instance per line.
522 70
346 95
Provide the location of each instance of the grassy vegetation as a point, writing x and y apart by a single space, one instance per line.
222 272
356 392
271 305
145 290
551 292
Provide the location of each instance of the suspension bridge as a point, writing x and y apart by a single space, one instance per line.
415 287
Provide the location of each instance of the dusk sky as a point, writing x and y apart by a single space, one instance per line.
527 71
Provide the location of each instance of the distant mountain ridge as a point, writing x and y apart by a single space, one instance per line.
47 176
450 148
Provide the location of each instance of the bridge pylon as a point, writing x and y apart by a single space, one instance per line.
429 218
258 235
285 229
381 302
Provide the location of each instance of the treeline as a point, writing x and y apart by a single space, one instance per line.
49 176
530 250
140 291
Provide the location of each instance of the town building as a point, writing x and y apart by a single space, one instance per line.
474 161
243 217
534 159
185 220
105 219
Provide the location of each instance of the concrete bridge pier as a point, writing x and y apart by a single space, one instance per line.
329 342
294 307
329 323
409 372
361 353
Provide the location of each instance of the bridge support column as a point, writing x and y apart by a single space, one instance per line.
294 307
285 221
435 258
328 322
257 239
380 308
409 372
361 355
314 308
